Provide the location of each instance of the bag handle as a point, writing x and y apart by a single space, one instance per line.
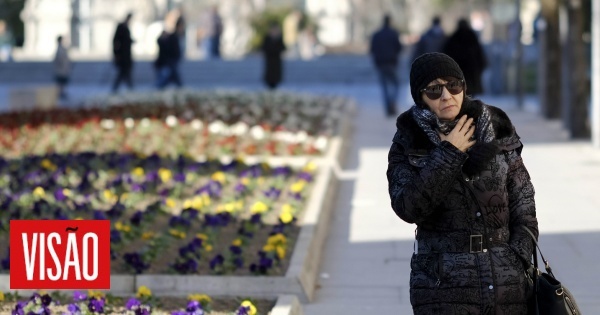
535 261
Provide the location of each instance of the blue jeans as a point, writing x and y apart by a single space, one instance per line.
390 85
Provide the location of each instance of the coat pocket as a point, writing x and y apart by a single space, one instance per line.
425 271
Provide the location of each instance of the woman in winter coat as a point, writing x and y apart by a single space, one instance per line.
455 170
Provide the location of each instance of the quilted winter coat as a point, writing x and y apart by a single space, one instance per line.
471 251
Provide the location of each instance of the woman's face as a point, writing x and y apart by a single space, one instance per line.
447 106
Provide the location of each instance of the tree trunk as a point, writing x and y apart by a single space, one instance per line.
551 100
578 63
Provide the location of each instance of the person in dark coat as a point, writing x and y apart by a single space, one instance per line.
272 48
464 47
170 54
122 54
432 41
385 49
455 170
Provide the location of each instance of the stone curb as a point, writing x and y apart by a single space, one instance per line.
287 305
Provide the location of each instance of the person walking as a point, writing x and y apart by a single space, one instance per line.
216 30
463 46
455 170
169 56
432 40
385 49
123 60
272 48
62 68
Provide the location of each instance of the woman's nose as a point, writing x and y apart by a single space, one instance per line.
446 94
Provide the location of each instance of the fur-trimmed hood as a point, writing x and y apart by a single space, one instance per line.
415 141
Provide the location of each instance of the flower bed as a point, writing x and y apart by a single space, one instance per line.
169 183
202 125
203 218
144 303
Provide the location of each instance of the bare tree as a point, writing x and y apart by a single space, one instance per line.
576 78
551 90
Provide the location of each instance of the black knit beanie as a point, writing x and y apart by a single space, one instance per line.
428 67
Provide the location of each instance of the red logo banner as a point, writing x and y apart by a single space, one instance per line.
59 254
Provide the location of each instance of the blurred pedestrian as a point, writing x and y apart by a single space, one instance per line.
6 42
123 60
385 50
169 56
62 68
291 32
216 29
432 40
463 46
272 49
455 170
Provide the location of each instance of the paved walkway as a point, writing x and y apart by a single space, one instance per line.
365 269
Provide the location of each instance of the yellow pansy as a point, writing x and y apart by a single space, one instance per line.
96 294
228 207
205 200
208 247
288 208
170 203
177 233
219 177
268 248
202 236
67 192
202 298
277 239
310 167
122 227
298 186
47 164
245 181
39 192
143 291
109 196
286 217
237 242
124 196
147 235
79 218
250 306
165 174
259 207
138 171
280 252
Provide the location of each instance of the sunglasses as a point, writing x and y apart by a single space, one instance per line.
433 92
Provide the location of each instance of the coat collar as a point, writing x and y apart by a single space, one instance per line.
414 140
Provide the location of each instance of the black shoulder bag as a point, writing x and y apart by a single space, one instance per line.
550 296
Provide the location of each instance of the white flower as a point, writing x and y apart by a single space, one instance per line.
225 159
321 143
129 122
240 128
171 121
107 123
145 122
257 132
197 124
216 126
301 136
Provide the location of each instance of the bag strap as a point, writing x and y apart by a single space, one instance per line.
535 261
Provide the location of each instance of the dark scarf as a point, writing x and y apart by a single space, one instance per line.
486 146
